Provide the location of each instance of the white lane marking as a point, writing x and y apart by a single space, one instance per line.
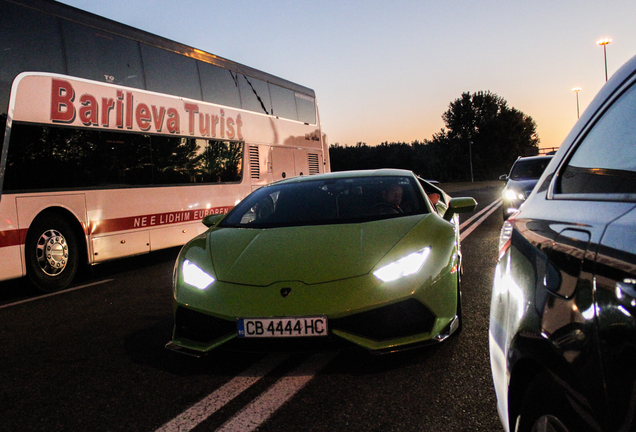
488 210
467 222
55 293
200 411
255 414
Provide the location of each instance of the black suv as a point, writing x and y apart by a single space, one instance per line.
523 177
563 311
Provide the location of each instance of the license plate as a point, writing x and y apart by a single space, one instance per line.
311 326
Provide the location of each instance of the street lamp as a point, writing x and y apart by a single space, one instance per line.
577 90
470 152
604 42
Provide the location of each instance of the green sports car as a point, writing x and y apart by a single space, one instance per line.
364 258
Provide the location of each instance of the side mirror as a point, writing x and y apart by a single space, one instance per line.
211 220
460 205
503 177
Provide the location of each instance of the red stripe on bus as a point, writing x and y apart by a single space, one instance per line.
152 220
10 238
17 237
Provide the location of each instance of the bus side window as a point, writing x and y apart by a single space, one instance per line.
283 102
219 86
102 56
255 95
170 73
306 108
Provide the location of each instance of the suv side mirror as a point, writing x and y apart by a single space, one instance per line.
503 177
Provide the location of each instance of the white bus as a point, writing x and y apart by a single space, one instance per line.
118 142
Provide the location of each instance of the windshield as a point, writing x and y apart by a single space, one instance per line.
331 201
529 169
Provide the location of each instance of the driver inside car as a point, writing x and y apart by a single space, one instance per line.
392 198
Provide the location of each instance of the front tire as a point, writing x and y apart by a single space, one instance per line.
546 409
52 253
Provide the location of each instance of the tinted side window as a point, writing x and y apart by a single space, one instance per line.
171 73
92 158
186 160
219 86
306 108
255 95
102 56
605 160
30 42
283 102
78 157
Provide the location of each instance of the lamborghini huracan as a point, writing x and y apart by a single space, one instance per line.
361 258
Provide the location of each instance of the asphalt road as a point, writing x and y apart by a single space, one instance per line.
92 359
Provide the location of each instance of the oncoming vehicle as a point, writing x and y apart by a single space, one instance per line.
563 311
359 258
519 183
118 142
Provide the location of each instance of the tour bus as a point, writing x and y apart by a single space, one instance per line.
118 142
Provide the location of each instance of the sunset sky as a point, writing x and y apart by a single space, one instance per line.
386 71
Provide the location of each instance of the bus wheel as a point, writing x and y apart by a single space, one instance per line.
52 253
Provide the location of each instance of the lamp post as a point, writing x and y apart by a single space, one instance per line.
604 42
577 90
470 152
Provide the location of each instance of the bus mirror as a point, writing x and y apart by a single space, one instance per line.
211 220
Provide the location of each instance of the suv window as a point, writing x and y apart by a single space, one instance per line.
605 160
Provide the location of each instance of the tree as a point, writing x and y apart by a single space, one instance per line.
483 124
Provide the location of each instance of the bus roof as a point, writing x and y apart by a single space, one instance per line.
104 24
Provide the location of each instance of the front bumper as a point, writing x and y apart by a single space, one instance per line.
372 316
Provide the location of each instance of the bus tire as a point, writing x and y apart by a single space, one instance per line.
52 252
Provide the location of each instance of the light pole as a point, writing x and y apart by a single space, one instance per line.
577 90
604 42
470 152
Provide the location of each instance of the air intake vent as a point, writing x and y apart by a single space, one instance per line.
255 170
314 164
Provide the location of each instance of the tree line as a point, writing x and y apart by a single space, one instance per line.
481 139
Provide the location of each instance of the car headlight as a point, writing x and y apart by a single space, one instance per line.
505 236
514 195
193 275
403 267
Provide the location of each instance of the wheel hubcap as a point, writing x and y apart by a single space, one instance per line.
52 252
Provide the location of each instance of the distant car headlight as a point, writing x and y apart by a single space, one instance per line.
193 275
512 194
403 267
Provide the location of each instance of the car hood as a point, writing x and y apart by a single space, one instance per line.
309 254
524 186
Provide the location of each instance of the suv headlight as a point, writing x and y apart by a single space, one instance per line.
512 194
